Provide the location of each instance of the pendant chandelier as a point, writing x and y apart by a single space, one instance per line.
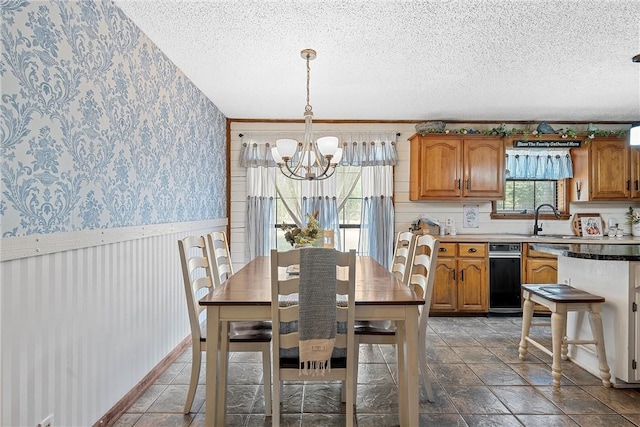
309 159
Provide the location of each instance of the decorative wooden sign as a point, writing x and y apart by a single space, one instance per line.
528 143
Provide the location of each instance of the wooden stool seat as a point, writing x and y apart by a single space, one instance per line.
561 299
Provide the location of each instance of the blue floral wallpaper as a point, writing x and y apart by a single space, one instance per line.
98 128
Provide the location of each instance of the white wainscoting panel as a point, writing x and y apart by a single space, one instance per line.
81 327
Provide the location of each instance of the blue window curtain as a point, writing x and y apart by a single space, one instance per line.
259 221
544 163
360 150
378 216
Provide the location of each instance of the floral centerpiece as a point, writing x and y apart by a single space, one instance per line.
303 236
633 217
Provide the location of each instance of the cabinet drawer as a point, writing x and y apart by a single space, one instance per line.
447 250
475 250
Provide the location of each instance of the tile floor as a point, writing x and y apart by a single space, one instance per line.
477 378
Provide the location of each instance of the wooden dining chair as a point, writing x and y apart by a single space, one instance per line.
310 309
220 257
243 336
402 255
421 275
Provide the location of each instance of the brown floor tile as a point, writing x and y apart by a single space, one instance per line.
127 420
497 374
164 420
574 400
442 355
524 400
602 420
440 420
546 421
492 421
475 400
623 401
537 373
476 355
454 374
173 398
376 420
509 354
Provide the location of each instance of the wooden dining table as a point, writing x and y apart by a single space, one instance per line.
246 295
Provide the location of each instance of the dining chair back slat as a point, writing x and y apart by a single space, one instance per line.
402 255
220 257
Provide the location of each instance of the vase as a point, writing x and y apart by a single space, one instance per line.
635 229
302 245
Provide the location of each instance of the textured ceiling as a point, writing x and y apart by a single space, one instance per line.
406 60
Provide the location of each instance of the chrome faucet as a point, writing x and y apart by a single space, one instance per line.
535 217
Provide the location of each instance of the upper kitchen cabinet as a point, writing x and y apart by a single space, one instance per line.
605 169
451 167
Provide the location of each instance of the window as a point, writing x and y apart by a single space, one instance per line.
349 214
521 197
524 195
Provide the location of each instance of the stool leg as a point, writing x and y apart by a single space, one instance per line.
565 345
527 314
596 328
558 322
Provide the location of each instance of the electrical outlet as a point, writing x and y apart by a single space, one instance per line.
47 422
567 281
449 222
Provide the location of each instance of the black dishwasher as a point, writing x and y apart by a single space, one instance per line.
504 278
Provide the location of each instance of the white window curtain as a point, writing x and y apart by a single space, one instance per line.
543 163
378 217
259 222
326 196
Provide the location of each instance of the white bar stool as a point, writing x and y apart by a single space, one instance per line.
561 299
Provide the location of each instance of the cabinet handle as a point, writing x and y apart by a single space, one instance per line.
636 184
454 275
473 250
467 184
442 250
458 184
462 275
628 185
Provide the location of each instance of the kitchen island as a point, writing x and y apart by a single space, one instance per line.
611 271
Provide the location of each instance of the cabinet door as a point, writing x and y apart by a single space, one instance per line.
444 296
610 177
436 168
472 285
483 168
543 270
635 172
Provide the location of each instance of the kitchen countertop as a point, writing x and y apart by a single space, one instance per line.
590 251
527 238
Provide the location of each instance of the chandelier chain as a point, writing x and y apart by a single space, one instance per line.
308 107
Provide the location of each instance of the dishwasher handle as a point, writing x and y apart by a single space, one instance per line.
505 255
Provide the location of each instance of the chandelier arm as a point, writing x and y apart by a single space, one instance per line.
292 173
325 167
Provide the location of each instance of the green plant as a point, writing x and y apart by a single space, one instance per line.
304 235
